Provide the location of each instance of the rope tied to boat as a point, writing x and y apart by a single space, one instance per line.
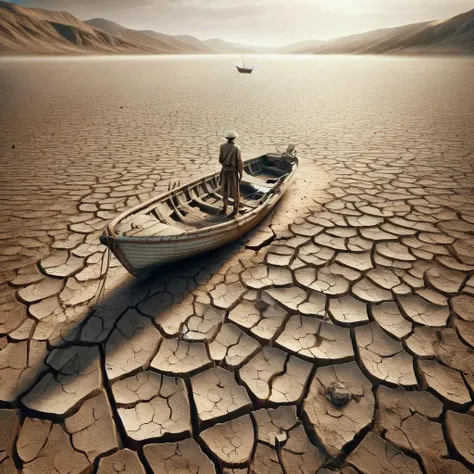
106 257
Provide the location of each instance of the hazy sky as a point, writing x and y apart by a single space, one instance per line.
265 22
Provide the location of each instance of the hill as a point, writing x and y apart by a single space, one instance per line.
37 31
452 36
151 40
235 48
301 46
176 43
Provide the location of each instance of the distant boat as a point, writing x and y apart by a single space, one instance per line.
243 69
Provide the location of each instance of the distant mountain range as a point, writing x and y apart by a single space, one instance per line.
38 31
174 44
301 46
452 36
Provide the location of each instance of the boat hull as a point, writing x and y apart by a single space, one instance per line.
138 254
243 70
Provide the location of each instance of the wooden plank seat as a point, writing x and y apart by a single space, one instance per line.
163 212
137 222
257 182
147 225
184 204
157 230
206 207
199 220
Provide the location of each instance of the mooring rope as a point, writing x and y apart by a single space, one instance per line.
106 257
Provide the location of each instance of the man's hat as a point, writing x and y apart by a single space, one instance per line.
231 134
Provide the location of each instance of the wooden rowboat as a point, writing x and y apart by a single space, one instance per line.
186 221
244 70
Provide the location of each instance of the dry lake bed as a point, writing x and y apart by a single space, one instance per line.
337 337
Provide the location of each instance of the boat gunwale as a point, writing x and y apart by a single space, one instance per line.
109 231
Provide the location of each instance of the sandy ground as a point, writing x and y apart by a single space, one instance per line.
326 341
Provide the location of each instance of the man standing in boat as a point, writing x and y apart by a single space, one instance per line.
230 158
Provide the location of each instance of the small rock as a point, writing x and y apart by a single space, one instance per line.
338 394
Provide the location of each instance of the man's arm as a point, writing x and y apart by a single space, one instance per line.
221 156
240 164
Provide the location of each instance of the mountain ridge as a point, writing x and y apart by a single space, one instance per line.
300 46
150 39
39 31
453 35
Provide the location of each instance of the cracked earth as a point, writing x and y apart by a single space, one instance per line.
337 337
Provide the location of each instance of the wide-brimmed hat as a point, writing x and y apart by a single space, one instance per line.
231 134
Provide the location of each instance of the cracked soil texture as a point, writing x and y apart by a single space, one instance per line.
337 337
